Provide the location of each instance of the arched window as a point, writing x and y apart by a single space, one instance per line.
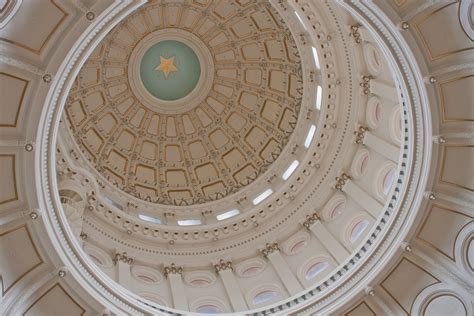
208 305
250 268
265 296
358 229
316 269
373 59
334 207
364 164
209 309
298 246
199 278
150 219
374 112
396 125
200 282
146 275
251 271
98 256
337 210
388 180
360 163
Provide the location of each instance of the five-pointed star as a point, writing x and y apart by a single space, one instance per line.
166 66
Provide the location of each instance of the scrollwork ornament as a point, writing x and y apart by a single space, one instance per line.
270 248
223 265
123 257
360 134
341 181
365 84
355 33
310 220
172 269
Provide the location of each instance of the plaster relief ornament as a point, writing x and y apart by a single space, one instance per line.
174 121
166 66
213 136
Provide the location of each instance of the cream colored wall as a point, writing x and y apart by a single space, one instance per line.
29 268
435 276
32 280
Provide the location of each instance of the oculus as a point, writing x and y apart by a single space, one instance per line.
170 70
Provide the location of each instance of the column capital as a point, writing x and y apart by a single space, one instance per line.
122 257
270 248
355 33
341 181
223 265
360 134
172 269
310 220
366 84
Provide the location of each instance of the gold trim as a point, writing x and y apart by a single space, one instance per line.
49 290
4 291
14 179
396 267
357 306
440 177
45 42
442 99
20 104
425 43
429 244
444 294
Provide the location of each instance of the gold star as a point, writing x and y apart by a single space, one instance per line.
166 66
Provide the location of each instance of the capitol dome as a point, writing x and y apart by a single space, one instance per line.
236 157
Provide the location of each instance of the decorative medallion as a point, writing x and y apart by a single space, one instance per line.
170 70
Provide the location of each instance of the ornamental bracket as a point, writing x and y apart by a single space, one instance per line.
269 249
341 181
355 33
223 265
122 257
360 134
365 84
310 220
172 269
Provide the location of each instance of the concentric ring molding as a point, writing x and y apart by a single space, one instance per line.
77 262
116 296
286 191
278 202
188 158
417 148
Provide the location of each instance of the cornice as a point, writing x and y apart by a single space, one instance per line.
305 184
357 270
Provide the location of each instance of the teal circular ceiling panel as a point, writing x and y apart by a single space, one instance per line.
170 70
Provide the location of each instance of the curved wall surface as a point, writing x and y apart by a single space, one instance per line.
374 218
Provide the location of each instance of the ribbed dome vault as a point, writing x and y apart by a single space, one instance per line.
258 157
214 140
